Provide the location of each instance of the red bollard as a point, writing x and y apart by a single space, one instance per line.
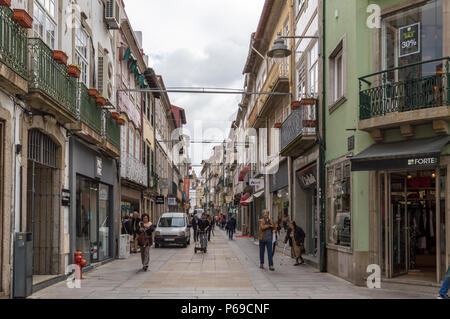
80 262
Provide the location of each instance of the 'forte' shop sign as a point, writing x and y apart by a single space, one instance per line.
409 38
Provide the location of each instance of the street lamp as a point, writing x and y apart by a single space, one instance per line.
279 50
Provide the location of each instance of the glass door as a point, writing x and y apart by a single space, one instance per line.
442 224
93 219
104 223
399 221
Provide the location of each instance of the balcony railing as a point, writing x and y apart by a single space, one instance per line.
112 130
51 77
13 43
301 121
133 170
89 113
411 87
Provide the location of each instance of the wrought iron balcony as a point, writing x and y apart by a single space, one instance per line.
298 132
89 112
112 130
51 78
416 86
133 170
13 43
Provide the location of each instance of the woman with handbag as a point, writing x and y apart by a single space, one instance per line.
296 237
145 240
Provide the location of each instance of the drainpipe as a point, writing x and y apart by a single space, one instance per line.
322 148
12 214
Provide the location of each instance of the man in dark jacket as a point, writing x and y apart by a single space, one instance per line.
231 225
296 232
135 230
194 227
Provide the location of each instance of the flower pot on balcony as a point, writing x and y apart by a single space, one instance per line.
60 57
5 3
120 121
93 93
115 115
101 100
295 105
74 71
23 18
309 123
277 125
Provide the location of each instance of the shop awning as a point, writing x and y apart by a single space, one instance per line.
245 200
411 154
259 194
244 173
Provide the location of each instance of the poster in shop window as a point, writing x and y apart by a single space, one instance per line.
409 37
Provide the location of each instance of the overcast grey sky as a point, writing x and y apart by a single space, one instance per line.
198 43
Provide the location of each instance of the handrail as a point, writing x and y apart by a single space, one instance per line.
402 67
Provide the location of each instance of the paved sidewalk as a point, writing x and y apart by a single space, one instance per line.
230 270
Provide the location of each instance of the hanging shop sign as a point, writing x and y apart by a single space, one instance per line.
159 200
307 177
258 183
409 37
65 197
98 167
187 188
172 201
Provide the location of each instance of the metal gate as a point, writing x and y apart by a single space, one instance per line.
43 203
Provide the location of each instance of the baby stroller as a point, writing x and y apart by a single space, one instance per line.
202 244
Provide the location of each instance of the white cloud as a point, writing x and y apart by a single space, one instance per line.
198 43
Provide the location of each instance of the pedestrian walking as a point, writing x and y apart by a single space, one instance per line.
443 293
296 237
135 229
266 230
194 227
231 225
211 226
145 239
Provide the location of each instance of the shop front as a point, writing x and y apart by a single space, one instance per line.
94 183
279 192
306 213
411 208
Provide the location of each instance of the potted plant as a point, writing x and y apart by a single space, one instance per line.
93 92
295 105
309 123
121 121
74 71
101 100
115 115
5 3
60 57
22 17
278 125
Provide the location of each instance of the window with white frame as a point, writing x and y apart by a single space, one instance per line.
131 141
300 4
138 146
314 70
82 54
44 25
337 74
301 82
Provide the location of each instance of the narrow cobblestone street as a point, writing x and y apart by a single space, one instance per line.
230 270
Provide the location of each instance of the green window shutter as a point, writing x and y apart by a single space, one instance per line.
127 54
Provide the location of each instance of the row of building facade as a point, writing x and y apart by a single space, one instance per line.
87 135
354 144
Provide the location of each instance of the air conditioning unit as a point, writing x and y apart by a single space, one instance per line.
105 77
112 14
